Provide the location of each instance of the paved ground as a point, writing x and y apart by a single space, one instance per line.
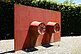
6 45
68 45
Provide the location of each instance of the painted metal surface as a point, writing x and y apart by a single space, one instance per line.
53 29
23 34
36 31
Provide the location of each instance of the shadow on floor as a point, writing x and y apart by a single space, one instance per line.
13 51
30 49
47 45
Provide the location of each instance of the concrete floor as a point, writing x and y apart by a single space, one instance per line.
6 45
68 45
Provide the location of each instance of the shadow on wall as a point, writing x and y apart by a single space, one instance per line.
33 38
30 38
47 36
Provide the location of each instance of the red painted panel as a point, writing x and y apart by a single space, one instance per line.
23 16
